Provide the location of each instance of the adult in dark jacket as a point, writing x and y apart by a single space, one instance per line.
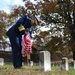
15 36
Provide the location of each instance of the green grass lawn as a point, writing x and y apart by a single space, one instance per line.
8 69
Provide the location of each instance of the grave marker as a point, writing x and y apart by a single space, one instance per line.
1 61
44 61
65 63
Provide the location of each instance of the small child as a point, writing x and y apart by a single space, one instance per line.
27 42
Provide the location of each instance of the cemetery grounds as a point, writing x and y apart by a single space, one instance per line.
8 69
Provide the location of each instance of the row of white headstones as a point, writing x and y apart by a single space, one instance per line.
45 62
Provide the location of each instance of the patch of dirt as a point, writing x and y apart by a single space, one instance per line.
12 71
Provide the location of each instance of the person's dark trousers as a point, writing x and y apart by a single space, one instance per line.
15 41
73 55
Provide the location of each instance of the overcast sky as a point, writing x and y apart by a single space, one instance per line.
5 4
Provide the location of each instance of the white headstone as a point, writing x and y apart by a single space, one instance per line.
44 61
1 61
65 63
73 64
31 63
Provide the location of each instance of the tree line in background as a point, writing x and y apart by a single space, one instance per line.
57 15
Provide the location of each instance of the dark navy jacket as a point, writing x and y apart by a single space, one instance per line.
25 21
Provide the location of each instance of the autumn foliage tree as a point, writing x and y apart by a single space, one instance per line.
61 15
3 22
57 15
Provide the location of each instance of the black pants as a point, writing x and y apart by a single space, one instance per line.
15 41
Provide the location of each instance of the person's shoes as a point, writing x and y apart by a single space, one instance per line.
18 67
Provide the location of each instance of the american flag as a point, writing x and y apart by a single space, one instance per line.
26 45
